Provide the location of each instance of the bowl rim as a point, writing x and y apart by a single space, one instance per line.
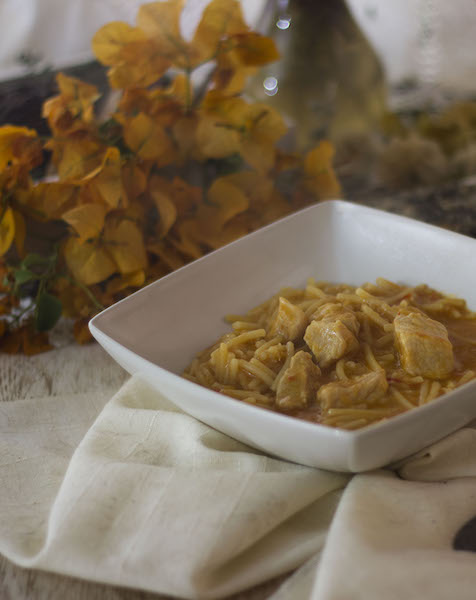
348 436
333 205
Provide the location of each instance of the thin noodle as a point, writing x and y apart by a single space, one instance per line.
386 357
315 291
384 340
374 316
258 372
351 298
330 380
366 332
238 325
360 411
356 424
290 352
246 337
370 358
313 307
340 369
400 398
466 377
273 342
434 391
425 388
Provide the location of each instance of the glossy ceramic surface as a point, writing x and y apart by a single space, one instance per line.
156 332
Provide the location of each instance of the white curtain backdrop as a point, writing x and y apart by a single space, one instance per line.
59 32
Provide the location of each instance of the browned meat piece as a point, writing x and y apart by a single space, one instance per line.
368 389
334 311
299 382
332 334
288 320
423 345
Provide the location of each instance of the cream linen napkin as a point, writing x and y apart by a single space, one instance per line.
141 494
393 532
132 491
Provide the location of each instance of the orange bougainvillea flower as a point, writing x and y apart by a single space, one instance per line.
320 178
7 230
139 56
49 200
165 207
19 145
182 165
125 243
134 279
225 200
109 42
107 183
231 125
255 50
208 228
88 262
84 163
148 139
264 127
73 109
81 331
76 157
134 179
104 182
119 249
24 339
86 219
160 21
215 138
220 19
134 59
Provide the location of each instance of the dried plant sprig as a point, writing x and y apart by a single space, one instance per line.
173 173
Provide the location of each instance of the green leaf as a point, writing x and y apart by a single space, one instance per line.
48 311
34 259
23 275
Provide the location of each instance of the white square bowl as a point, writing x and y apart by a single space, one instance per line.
156 332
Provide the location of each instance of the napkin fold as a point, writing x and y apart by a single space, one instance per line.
393 532
106 480
145 496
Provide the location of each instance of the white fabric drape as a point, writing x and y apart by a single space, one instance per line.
144 495
104 479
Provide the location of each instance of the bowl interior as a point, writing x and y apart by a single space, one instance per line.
182 313
157 331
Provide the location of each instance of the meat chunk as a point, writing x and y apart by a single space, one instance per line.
332 334
299 382
423 345
333 311
289 321
368 389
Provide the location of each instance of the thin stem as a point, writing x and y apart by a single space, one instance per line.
16 318
188 90
86 290
202 90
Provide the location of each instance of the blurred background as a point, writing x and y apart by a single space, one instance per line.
392 83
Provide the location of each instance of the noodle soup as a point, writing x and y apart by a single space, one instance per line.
341 355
